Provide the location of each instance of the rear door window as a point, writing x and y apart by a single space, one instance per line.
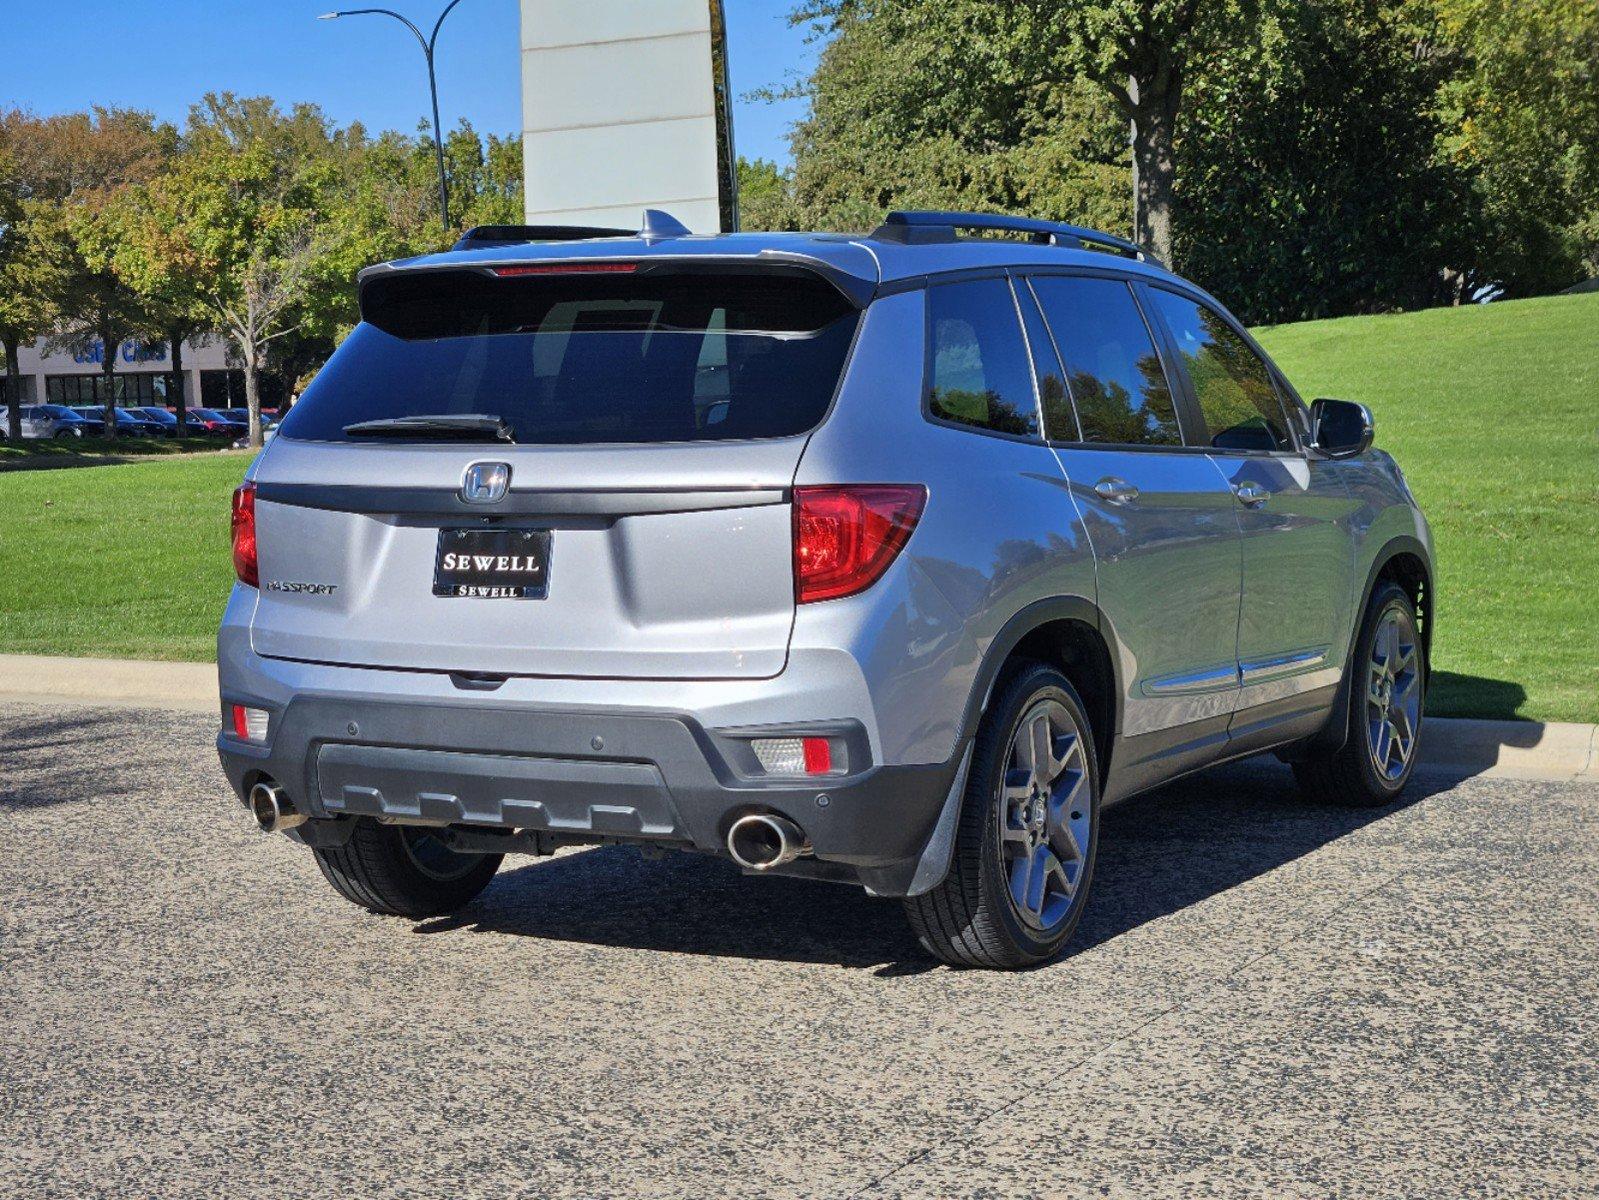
1113 370
979 374
591 357
1233 386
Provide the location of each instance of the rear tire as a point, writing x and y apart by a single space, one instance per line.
1387 697
1023 862
404 871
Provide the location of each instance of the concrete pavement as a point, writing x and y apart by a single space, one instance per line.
1267 998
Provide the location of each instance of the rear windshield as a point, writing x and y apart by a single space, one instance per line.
589 358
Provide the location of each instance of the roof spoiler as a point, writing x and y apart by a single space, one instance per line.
656 226
921 227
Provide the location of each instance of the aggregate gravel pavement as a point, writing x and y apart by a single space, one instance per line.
1266 998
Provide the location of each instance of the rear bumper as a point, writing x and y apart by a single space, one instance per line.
631 776
532 755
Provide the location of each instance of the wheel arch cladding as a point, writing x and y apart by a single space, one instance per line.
1068 633
1065 632
1404 562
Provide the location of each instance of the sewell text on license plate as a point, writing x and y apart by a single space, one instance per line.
492 564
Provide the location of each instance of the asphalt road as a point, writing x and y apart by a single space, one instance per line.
1267 998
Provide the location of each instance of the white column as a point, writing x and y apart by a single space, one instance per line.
619 112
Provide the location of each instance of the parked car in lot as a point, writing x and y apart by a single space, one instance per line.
166 422
214 422
129 422
49 421
886 559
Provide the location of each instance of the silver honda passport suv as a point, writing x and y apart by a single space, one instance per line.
884 559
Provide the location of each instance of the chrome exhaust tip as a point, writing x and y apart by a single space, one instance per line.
273 811
761 841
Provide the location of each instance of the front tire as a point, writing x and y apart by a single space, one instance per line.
404 871
1387 696
1024 852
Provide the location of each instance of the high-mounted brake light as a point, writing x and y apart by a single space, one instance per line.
244 562
846 536
568 268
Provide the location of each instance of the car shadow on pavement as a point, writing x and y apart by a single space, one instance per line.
68 758
1158 853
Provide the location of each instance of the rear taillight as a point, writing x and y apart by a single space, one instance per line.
846 536
244 564
794 755
250 724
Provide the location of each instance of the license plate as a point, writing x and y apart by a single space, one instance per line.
492 564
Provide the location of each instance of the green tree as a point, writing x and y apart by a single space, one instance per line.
485 177
765 195
23 286
149 252
1522 104
257 218
71 168
1142 53
1312 176
97 307
974 114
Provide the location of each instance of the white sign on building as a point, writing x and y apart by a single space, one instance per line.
625 107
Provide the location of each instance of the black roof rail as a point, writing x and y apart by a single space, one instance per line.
925 226
504 235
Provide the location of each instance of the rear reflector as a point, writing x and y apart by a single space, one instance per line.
794 756
569 268
845 537
244 562
249 723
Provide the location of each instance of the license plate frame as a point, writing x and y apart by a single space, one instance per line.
517 566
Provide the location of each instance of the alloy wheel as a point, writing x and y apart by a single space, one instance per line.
1046 815
1393 695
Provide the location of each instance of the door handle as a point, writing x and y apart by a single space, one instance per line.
1117 491
1251 495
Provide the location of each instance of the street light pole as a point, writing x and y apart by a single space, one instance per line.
427 44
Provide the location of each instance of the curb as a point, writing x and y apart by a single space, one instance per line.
1550 751
110 682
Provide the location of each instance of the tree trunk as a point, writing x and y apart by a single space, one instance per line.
14 392
252 396
175 337
1155 105
110 344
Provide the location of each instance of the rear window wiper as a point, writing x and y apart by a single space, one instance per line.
459 427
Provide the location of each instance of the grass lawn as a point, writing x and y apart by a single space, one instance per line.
1493 412
119 562
56 452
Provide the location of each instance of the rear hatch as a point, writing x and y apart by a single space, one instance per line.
563 470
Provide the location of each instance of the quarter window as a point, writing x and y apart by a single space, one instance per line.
980 374
1115 375
1231 383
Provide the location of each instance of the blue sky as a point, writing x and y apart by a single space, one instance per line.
164 54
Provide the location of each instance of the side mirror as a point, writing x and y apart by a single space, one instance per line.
1340 428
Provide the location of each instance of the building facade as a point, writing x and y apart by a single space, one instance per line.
143 375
